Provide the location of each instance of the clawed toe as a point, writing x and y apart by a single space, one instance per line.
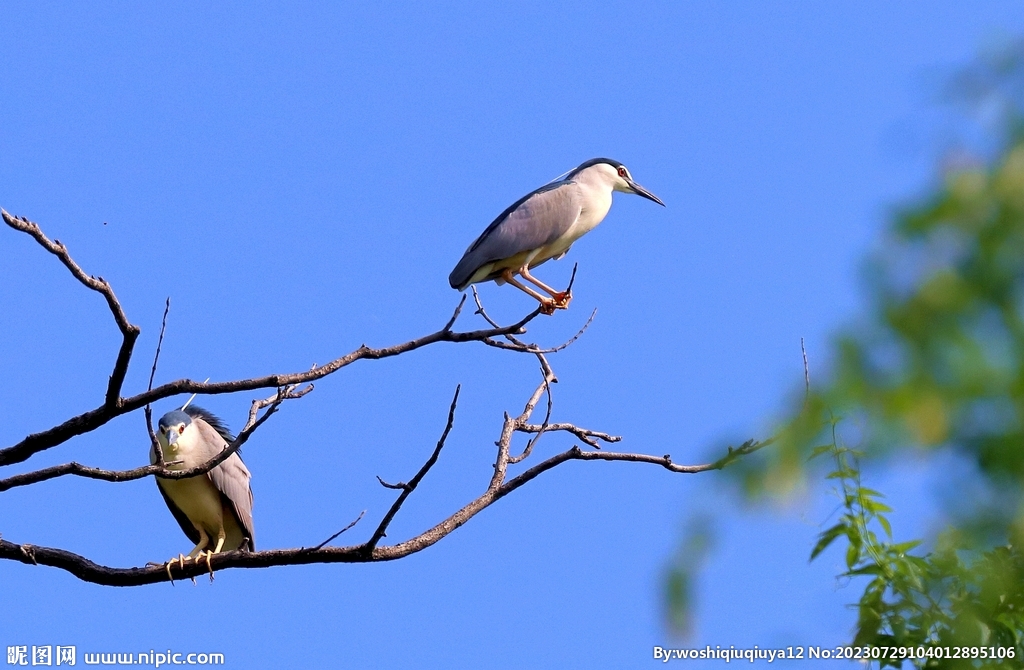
558 300
180 560
206 555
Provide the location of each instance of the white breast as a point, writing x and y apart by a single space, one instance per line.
600 200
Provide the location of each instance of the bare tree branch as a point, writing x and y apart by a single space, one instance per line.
152 373
407 489
114 405
93 419
129 332
455 315
273 402
332 537
519 345
589 437
807 369
89 571
292 386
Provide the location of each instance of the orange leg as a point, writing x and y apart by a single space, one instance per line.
561 298
547 305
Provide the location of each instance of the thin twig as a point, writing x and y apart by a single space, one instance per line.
332 537
395 487
572 279
455 315
152 374
407 489
192 397
517 344
590 437
533 348
547 376
547 417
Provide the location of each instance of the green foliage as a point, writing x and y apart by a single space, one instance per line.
954 597
689 558
940 364
936 363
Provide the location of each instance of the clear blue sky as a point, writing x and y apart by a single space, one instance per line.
301 180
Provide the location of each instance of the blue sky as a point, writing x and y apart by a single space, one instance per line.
301 180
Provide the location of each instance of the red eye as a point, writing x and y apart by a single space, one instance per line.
622 172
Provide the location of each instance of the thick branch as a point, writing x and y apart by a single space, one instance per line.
129 331
114 405
254 422
93 419
89 571
288 386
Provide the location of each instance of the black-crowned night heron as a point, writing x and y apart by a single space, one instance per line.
214 509
543 225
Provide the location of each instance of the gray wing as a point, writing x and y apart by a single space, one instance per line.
231 478
535 220
186 526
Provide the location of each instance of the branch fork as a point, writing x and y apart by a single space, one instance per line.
292 386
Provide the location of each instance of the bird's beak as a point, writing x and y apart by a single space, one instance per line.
172 436
640 190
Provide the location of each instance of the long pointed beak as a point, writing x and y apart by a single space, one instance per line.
640 190
172 436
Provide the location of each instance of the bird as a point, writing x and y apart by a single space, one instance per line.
542 225
213 509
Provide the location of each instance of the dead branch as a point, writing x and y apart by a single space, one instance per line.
332 537
589 437
114 405
407 489
152 373
129 331
159 469
296 385
89 571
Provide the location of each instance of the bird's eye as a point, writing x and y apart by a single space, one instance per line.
622 172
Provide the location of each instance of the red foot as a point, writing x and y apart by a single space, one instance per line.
562 299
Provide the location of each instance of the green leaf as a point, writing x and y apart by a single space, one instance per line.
874 506
885 524
818 451
852 555
826 538
871 569
904 547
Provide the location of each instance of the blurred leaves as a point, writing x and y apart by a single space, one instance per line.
698 539
956 597
936 363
